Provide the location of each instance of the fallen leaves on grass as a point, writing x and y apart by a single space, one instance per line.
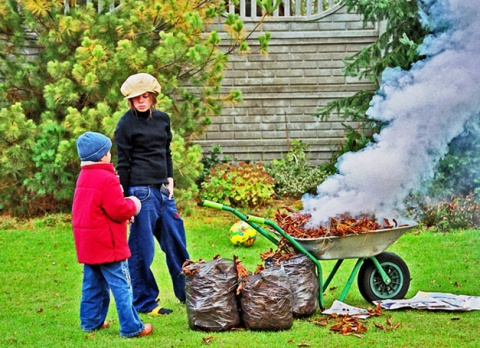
375 312
207 340
389 325
348 325
343 324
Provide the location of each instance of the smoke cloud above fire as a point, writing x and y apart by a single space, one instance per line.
425 107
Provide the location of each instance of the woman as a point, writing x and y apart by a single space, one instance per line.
143 137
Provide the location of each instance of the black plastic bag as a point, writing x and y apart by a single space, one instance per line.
303 283
211 300
266 301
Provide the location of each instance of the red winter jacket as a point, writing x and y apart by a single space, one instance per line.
99 215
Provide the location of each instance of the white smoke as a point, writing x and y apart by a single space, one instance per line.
425 107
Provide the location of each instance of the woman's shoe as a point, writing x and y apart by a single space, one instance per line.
159 311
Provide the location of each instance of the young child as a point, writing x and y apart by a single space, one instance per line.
99 217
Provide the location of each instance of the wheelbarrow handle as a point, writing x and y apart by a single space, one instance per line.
256 219
214 205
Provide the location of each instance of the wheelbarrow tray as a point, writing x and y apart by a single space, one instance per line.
352 246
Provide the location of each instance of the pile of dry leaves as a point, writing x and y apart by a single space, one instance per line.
296 224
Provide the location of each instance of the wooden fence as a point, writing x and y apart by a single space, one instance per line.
245 8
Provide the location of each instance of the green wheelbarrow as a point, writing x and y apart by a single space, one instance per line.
380 275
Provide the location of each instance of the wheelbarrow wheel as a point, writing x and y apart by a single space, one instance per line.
370 282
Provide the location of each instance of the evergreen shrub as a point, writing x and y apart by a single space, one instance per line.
293 174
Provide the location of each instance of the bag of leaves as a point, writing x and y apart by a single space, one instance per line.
266 301
211 300
304 285
302 275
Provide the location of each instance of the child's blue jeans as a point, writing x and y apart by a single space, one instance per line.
98 280
158 219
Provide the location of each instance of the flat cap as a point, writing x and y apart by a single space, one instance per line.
139 84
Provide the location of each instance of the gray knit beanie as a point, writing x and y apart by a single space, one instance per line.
92 146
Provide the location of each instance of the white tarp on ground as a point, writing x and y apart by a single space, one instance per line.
435 301
422 300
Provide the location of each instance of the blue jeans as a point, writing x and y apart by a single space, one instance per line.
158 219
98 280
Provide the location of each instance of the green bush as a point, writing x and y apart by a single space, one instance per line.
294 175
462 211
457 172
451 200
186 167
209 160
17 142
238 185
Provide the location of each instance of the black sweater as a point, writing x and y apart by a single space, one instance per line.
143 148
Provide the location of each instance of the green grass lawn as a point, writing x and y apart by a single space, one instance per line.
40 282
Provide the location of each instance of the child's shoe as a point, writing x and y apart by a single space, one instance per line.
148 330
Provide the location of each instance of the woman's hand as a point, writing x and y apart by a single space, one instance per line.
170 188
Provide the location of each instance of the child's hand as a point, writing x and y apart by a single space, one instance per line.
131 220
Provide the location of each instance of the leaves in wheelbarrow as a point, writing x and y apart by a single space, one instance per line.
295 223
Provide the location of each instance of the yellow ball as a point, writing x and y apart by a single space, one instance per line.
242 234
